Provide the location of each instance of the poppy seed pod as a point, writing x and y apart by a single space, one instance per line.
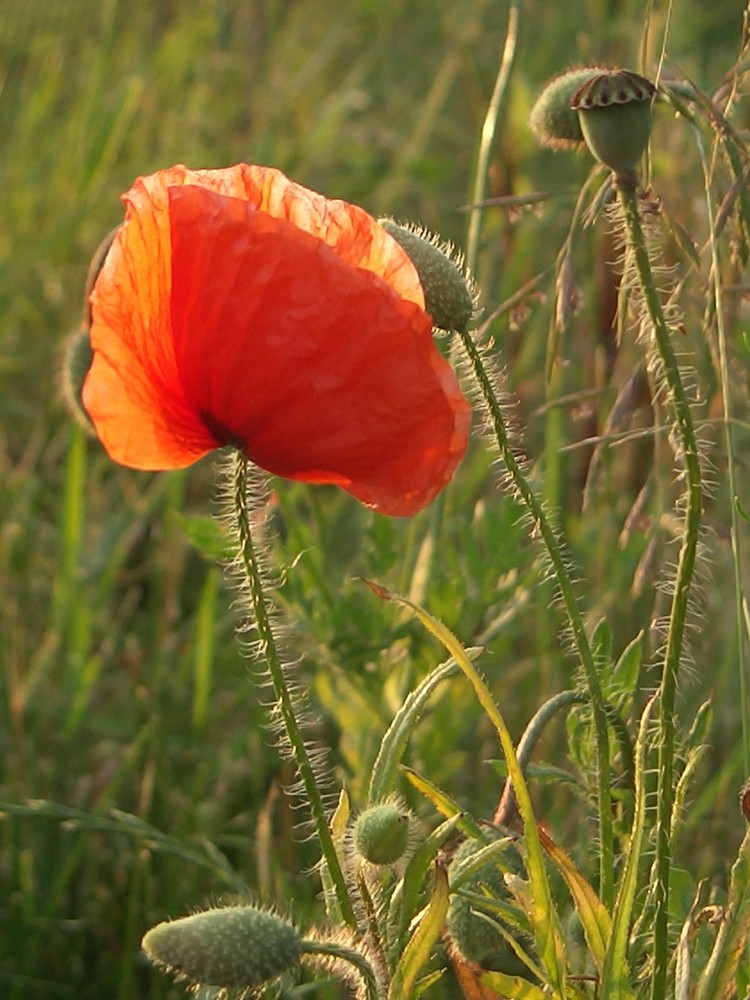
614 109
552 120
239 946
448 296
381 833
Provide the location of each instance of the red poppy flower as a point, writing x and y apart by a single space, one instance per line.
235 306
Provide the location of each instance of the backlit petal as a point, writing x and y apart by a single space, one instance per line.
236 306
320 371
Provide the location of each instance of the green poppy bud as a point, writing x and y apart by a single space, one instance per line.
552 120
449 297
614 109
236 946
381 833
77 358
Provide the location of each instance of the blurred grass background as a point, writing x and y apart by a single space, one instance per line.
122 686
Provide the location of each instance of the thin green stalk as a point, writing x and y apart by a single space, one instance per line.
479 190
251 569
683 579
721 335
565 584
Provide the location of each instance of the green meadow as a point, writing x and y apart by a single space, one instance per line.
140 777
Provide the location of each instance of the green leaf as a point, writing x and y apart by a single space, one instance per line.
444 803
595 920
512 987
406 894
628 667
417 952
207 535
394 742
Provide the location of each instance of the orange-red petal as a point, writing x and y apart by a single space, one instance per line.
238 306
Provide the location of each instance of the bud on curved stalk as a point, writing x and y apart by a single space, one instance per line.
615 112
236 946
381 833
449 294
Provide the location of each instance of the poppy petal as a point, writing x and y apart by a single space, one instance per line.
320 371
132 392
237 306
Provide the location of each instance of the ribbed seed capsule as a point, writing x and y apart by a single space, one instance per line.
448 296
614 109
239 946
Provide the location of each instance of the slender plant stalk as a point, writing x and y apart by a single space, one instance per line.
683 579
721 335
251 569
487 139
565 585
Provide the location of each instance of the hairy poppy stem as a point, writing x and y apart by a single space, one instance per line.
552 545
252 575
685 568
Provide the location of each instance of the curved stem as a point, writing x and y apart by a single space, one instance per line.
549 538
340 952
683 579
250 566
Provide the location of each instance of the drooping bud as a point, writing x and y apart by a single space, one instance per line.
76 361
552 120
236 946
449 297
614 109
381 833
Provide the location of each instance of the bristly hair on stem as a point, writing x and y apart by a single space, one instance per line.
493 406
244 505
655 322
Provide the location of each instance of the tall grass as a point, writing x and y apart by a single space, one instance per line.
138 777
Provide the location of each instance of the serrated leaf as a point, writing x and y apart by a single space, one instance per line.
417 952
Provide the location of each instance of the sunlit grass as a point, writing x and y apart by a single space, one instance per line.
122 685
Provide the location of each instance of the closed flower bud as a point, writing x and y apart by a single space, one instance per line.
614 109
552 120
239 946
381 833
77 360
449 298
475 938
